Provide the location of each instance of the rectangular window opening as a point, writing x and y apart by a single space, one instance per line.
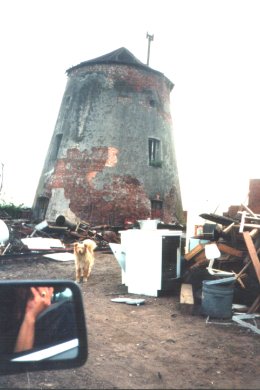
154 146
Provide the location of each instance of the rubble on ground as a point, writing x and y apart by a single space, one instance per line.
61 230
237 240
236 237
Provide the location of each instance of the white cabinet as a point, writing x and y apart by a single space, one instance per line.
151 260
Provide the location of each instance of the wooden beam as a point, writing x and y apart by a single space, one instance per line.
255 305
250 225
228 249
252 252
239 279
200 256
200 263
249 210
243 270
242 223
186 298
254 232
186 294
249 216
197 249
228 228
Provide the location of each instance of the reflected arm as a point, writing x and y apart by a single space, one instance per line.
40 300
25 339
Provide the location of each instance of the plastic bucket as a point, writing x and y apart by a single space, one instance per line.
148 224
217 299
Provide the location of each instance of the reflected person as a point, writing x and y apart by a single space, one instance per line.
31 319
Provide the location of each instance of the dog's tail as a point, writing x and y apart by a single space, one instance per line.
91 244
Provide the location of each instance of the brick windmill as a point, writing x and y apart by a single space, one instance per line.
111 156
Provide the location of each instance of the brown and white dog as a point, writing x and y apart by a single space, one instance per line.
84 259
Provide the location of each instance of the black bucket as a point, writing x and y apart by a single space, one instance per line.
217 299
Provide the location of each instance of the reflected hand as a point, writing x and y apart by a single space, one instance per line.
40 300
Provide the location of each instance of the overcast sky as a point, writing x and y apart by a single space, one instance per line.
209 49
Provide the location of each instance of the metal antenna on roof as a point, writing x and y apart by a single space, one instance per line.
150 38
1 176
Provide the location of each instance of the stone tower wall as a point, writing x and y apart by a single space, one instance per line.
98 166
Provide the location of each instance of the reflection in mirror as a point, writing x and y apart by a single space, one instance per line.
37 322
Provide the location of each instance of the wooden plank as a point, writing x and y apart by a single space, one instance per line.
252 252
197 249
249 210
230 250
250 225
243 270
239 275
200 256
255 305
240 281
186 298
254 232
256 217
228 228
242 223
200 263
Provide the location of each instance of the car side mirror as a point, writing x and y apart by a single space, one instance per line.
42 326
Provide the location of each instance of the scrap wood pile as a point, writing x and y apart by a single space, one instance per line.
237 242
55 236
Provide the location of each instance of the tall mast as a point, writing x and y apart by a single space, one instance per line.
150 38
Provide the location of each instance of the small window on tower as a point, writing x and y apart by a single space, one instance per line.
156 209
55 150
154 152
56 147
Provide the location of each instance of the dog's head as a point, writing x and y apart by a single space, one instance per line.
80 248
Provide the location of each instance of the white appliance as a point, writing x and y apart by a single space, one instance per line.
150 260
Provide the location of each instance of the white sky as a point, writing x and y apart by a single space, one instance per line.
209 49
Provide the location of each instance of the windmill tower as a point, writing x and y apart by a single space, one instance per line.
111 156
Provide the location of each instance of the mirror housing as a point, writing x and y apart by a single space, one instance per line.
62 316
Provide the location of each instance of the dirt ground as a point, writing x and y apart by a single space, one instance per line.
151 346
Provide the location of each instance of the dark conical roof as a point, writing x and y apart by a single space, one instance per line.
122 56
119 56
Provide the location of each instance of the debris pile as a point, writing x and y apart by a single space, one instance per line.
25 237
23 234
230 252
